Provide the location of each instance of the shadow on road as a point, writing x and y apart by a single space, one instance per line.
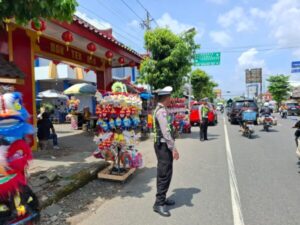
141 181
270 131
183 197
195 134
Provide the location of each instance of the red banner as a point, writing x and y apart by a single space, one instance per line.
61 50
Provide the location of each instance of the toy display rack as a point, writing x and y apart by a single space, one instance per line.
106 174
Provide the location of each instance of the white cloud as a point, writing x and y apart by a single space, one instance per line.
248 59
200 33
220 37
283 17
134 24
167 21
177 27
255 12
101 25
219 2
238 18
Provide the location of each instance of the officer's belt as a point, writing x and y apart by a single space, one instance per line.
163 140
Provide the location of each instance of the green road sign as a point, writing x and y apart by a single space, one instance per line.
207 59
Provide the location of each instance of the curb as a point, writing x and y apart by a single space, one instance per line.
76 181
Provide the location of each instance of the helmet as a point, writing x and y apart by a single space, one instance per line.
266 104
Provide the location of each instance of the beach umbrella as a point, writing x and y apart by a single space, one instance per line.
52 94
81 89
146 96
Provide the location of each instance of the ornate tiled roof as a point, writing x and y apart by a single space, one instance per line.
10 70
105 34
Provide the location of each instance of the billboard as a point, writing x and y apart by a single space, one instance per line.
253 76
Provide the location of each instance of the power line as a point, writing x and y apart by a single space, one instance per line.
133 36
147 11
115 12
121 35
131 10
118 15
264 49
259 48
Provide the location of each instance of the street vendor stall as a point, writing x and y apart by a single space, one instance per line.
56 104
118 132
179 116
80 103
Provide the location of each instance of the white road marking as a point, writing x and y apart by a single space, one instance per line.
235 196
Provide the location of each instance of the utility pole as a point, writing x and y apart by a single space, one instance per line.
146 24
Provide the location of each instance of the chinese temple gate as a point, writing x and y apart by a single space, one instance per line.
78 44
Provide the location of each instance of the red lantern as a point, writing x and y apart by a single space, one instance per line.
67 36
39 27
121 61
91 47
132 64
86 70
109 55
72 67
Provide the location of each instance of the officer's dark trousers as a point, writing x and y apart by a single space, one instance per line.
203 129
164 171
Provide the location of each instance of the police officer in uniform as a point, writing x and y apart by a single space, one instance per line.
203 116
164 145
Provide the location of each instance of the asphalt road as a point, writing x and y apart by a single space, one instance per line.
260 186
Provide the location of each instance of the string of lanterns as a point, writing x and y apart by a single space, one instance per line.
40 26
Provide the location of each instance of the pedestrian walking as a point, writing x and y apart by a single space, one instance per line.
44 126
164 145
203 116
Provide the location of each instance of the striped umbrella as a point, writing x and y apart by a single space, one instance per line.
81 89
52 94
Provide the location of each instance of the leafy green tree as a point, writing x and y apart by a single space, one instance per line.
25 10
279 87
171 58
203 85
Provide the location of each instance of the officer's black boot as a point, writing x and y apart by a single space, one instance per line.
161 210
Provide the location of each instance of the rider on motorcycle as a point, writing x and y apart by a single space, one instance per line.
283 110
221 108
297 132
240 114
266 110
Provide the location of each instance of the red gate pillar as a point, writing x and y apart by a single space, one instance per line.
104 78
23 57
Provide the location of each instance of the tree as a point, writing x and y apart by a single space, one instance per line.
279 87
170 59
203 85
25 10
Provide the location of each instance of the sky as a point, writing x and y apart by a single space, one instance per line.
248 33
